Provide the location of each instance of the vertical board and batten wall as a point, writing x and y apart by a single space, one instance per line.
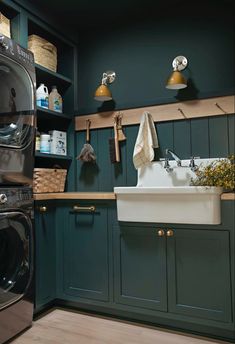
205 137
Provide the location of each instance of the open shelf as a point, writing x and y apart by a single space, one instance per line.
50 78
52 156
50 120
12 14
46 114
8 11
65 51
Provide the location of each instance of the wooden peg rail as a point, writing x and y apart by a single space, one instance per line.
166 112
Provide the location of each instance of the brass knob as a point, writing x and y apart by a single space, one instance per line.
160 233
42 209
170 233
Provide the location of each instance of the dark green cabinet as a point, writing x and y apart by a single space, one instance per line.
199 281
172 275
84 245
45 254
180 271
140 268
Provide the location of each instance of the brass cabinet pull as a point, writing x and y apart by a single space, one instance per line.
170 233
78 209
161 233
42 209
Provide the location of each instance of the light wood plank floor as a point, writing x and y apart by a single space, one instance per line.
67 327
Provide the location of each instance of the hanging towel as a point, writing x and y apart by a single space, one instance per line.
146 141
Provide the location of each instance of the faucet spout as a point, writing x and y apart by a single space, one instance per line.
174 156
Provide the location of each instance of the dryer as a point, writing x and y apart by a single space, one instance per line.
17 113
16 261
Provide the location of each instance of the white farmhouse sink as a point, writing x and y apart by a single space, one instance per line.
166 197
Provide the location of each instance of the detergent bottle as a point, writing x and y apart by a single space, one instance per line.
55 100
42 96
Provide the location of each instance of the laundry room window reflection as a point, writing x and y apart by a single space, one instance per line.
16 104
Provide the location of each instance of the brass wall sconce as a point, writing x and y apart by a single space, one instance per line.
176 80
103 93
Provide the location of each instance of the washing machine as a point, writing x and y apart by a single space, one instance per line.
17 113
16 261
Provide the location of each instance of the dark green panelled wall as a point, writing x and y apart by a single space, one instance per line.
208 137
141 53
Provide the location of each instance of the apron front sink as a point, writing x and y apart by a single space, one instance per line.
167 197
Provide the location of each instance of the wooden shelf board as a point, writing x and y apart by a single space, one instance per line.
166 112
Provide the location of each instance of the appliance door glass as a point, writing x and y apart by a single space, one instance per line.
17 101
16 254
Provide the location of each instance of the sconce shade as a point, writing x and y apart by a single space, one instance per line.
176 81
103 93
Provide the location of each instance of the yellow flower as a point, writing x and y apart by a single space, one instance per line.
218 173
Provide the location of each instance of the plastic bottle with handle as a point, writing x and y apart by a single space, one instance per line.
42 96
55 100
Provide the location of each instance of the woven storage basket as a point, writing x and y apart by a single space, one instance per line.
45 53
5 28
48 180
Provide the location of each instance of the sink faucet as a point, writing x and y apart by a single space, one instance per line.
174 156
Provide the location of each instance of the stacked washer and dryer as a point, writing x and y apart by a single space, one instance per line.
17 130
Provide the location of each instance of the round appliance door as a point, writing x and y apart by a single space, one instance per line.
16 256
17 105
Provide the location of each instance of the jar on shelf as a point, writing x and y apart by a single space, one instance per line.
45 143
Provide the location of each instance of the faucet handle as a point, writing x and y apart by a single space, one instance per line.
192 164
166 161
167 165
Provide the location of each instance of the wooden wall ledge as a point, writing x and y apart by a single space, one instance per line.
166 112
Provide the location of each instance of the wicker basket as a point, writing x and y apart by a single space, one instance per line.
48 180
5 27
45 53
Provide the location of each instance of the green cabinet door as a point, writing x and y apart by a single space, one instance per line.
85 253
45 254
199 281
140 267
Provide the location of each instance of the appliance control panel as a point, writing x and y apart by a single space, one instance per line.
3 198
16 51
15 197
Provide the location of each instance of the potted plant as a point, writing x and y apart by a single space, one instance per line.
220 173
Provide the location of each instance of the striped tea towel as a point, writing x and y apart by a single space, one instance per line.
146 141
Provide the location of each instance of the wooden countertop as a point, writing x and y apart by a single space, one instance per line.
230 196
99 196
75 195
